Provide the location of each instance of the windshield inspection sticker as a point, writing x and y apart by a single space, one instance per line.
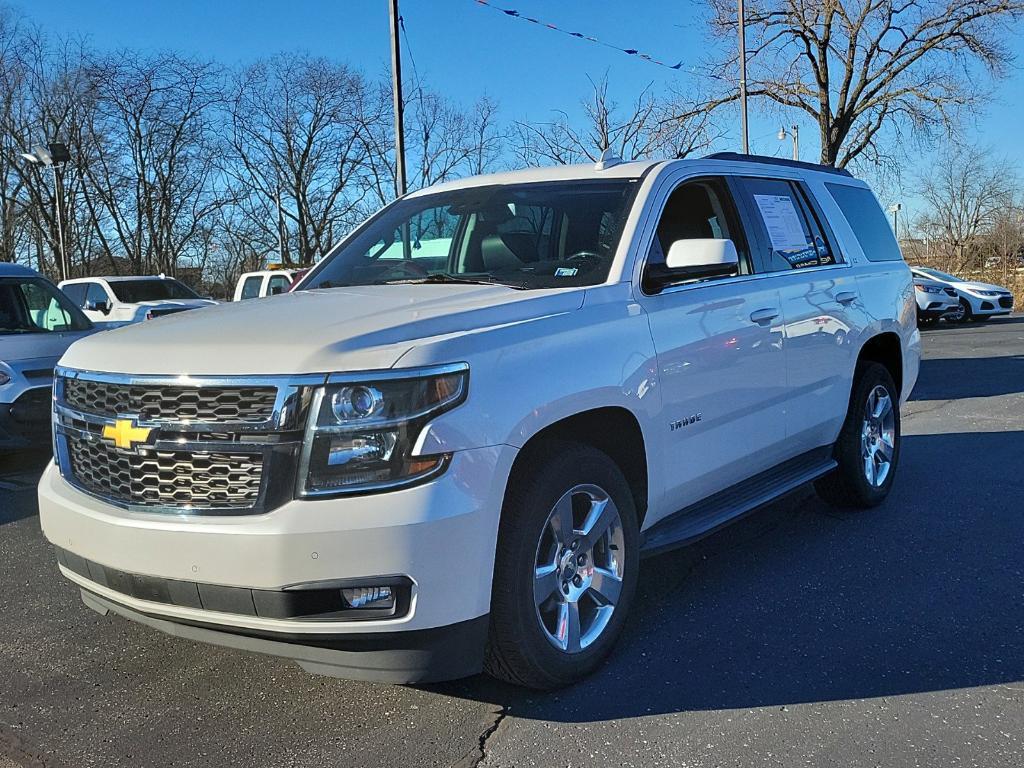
782 222
566 272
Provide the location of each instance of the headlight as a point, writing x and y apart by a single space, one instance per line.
987 293
4 378
927 288
361 433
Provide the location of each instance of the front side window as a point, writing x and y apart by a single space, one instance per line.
543 235
696 210
150 289
95 294
789 228
75 292
278 284
32 305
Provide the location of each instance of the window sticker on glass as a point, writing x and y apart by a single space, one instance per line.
566 272
782 222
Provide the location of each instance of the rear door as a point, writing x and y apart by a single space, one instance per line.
798 252
721 361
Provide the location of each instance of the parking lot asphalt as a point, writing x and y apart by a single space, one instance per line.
799 636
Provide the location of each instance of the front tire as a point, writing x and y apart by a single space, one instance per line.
964 315
566 567
868 448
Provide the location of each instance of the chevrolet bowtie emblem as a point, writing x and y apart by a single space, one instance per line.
125 434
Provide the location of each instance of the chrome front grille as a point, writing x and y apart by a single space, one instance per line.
172 403
195 445
153 478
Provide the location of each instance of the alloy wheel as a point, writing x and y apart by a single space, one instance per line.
878 436
579 568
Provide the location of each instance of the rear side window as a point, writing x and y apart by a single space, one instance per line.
251 287
869 224
789 228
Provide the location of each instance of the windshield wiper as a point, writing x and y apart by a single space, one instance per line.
448 277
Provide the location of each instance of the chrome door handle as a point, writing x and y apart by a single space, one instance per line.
846 297
763 316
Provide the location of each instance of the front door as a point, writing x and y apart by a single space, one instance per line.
721 360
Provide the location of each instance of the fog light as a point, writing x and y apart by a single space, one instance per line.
369 597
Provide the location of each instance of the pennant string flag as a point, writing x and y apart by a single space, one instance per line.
628 51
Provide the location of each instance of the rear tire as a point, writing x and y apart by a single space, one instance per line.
868 448
557 609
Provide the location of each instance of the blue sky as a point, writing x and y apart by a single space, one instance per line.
465 50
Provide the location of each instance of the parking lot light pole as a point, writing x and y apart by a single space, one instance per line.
54 156
794 134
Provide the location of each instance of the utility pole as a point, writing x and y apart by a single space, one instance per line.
743 78
396 93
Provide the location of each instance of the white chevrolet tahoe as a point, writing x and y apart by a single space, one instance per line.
449 450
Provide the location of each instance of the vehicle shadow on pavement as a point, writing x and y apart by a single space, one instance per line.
19 473
956 378
800 603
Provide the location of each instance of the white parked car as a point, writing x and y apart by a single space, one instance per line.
935 300
978 301
435 460
37 325
114 301
267 282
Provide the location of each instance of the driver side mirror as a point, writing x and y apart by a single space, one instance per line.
695 259
98 306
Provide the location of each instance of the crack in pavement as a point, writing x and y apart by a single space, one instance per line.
476 757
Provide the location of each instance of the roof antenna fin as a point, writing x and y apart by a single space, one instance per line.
608 160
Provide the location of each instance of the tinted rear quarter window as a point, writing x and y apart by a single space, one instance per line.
869 224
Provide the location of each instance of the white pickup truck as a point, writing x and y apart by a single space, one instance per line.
448 451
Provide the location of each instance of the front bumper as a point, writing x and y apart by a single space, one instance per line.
990 305
440 536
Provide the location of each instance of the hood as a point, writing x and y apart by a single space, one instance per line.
17 347
973 286
160 303
337 329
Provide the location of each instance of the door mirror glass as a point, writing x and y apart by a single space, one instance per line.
98 306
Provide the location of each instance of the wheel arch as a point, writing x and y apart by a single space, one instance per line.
886 349
613 430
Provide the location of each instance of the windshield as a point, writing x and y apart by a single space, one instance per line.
544 235
939 275
150 289
34 305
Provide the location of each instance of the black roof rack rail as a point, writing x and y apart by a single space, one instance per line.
738 156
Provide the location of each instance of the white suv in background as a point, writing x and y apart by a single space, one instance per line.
978 301
113 301
447 451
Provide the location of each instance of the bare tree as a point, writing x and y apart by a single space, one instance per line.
151 155
862 69
299 132
966 193
646 128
